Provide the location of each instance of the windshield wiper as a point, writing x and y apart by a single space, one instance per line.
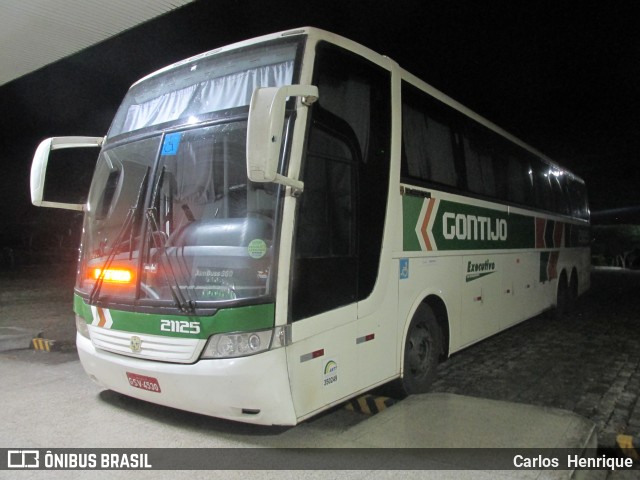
184 303
129 221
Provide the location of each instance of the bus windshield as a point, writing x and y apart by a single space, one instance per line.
172 219
184 225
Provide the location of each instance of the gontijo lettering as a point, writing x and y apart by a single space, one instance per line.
471 227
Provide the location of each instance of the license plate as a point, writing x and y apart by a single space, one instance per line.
143 382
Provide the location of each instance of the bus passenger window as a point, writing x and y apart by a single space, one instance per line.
326 254
479 165
519 181
345 170
427 140
578 198
542 187
326 209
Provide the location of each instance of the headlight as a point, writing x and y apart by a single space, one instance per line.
82 327
242 344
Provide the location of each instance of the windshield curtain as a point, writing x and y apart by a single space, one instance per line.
174 219
208 84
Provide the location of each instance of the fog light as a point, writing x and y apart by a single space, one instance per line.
82 327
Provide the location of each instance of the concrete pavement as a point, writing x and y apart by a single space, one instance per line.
50 406
37 302
588 363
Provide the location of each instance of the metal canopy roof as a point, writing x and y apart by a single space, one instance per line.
35 33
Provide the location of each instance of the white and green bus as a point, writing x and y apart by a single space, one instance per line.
276 226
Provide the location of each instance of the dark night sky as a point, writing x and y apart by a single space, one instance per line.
563 76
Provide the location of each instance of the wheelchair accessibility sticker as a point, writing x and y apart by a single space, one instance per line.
404 268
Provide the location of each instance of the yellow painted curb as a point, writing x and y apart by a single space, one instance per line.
369 404
43 344
626 445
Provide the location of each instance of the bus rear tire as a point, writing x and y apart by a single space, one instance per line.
572 300
563 298
422 350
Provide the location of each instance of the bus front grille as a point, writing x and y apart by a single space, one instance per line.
148 347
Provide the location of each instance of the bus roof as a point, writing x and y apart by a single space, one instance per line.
384 61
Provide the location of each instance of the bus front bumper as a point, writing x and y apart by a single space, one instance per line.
252 389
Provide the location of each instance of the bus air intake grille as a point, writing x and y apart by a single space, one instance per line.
148 347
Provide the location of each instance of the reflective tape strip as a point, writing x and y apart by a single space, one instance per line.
310 356
366 338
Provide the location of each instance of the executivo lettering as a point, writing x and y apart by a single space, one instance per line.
477 270
471 227
485 266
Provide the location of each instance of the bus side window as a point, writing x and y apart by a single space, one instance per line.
428 140
479 165
578 199
560 199
326 225
325 273
341 213
520 182
542 186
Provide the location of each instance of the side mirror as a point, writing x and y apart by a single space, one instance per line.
265 131
39 167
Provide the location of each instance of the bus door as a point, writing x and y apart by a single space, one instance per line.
324 282
339 228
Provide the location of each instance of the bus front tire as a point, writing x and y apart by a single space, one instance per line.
422 350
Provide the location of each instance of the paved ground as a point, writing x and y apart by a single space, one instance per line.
588 363
40 299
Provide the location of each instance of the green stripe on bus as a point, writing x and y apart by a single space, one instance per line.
458 226
411 207
254 317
